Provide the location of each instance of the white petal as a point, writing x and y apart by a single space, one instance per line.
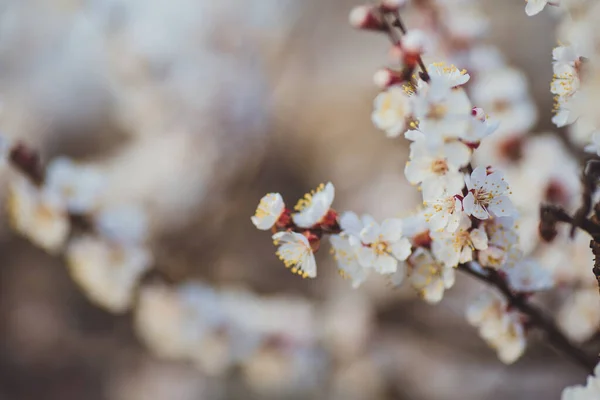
401 249
502 206
385 264
479 239
478 176
398 277
457 153
366 256
391 229
469 204
370 233
350 223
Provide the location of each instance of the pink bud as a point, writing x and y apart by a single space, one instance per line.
396 54
365 17
414 41
386 77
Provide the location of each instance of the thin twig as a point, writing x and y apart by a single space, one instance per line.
399 24
537 317
395 39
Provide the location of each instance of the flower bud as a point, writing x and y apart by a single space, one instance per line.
366 17
386 77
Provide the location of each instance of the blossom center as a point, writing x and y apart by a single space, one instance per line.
437 112
439 167
380 247
308 198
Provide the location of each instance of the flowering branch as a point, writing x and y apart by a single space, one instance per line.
536 317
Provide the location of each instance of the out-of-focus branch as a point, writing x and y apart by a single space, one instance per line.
536 317
550 215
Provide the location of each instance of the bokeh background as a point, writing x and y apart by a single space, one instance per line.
197 108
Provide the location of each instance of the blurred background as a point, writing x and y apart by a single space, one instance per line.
196 108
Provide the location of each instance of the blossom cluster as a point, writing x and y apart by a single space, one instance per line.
104 244
469 219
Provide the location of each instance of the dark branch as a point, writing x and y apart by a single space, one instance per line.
550 215
536 316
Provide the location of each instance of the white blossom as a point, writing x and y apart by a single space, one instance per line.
437 168
503 93
382 246
313 208
107 272
534 7
594 147
447 76
296 253
503 244
591 390
441 113
392 108
529 276
123 223
347 260
579 315
499 327
429 276
174 321
452 248
416 41
444 214
487 195
79 185
269 210
38 214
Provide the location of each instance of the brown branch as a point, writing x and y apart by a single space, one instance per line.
536 316
550 215
395 39
399 24
27 161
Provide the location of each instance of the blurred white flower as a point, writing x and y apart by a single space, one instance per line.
79 185
415 41
452 248
313 208
564 56
437 168
487 195
503 244
382 245
566 80
534 7
529 276
500 328
268 211
441 113
296 253
38 214
503 93
391 110
590 391
444 213
429 276
594 147
107 272
126 224
347 260
171 322
447 76
579 316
